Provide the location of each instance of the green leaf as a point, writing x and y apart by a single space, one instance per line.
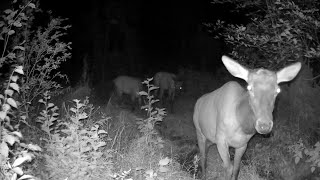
164 162
50 105
10 139
17 133
11 32
7 11
17 170
2 115
143 93
4 30
6 107
25 176
312 169
17 24
4 149
26 157
294 41
34 147
8 92
12 102
14 78
102 132
19 69
19 47
11 55
14 86
32 5
154 87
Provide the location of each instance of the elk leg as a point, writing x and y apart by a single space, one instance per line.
133 98
140 101
223 149
120 96
171 106
172 100
202 143
156 92
237 159
160 96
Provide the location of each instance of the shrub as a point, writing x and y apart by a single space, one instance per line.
277 33
39 50
13 153
310 155
71 147
155 115
12 157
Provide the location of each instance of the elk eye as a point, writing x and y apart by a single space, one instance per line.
249 88
278 90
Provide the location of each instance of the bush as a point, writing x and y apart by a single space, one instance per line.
13 153
71 147
39 50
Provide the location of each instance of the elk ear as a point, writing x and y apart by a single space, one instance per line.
235 68
288 73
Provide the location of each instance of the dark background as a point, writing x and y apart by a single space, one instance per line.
141 37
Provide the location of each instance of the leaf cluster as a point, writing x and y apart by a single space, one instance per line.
71 147
278 33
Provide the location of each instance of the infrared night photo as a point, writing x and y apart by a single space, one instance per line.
159 90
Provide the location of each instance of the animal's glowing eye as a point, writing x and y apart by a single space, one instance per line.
249 88
278 90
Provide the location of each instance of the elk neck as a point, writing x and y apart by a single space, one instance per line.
245 115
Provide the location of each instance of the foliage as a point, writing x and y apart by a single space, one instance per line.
312 155
144 156
70 146
10 166
49 116
13 20
278 32
155 115
13 153
44 55
39 50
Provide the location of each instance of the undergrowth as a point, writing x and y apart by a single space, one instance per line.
73 151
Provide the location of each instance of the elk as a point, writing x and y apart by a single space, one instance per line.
231 115
167 82
130 86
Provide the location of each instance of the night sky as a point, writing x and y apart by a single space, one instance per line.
166 35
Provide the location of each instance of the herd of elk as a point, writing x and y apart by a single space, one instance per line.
228 116
231 115
167 82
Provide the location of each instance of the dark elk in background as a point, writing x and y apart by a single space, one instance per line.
169 84
129 86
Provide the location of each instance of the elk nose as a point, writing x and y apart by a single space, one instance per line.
264 127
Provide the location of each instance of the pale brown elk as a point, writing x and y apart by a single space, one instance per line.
231 115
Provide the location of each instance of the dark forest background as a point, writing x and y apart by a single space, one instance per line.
141 37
